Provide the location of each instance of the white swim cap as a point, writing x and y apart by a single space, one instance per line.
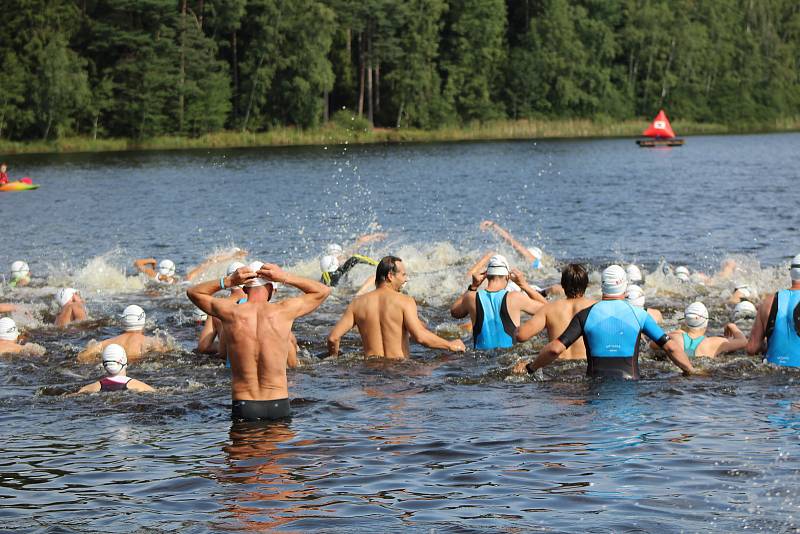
794 268
8 329
633 273
334 250
233 267
257 281
745 309
682 273
328 263
744 290
64 295
114 359
133 318
166 267
614 281
19 270
696 315
635 295
199 316
498 266
538 254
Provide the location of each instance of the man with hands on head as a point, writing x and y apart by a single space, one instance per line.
495 311
258 334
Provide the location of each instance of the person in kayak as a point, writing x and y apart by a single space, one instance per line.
3 175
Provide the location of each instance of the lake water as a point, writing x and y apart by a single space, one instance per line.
439 443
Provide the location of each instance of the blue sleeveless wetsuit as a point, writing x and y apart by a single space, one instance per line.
493 328
611 330
690 345
783 343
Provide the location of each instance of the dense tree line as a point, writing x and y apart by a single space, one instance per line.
138 68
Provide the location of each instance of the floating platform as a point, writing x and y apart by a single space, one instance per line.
652 143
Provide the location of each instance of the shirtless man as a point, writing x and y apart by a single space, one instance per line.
495 311
213 326
556 315
385 318
133 340
694 339
73 308
257 334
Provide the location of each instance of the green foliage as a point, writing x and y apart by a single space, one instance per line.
350 121
148 68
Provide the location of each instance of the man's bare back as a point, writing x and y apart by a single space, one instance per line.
558 314
257 332
385 318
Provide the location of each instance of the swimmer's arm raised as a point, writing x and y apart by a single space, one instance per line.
143 266
424 336
516 245
736 340
205 264
315 292
202 295
461 306
480 265
344 325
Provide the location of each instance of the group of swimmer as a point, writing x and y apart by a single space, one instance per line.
253 332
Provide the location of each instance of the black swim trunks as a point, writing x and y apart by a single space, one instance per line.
256 410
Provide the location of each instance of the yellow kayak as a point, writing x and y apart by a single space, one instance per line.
18 186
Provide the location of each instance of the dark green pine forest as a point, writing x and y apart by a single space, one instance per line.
143 68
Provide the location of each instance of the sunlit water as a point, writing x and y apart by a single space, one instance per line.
442 442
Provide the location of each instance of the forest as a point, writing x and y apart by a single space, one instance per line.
143 68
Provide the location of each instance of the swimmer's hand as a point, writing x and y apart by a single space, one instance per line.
485 225
456 346
241 275
518 277
477 279
273 273
731 330
519 368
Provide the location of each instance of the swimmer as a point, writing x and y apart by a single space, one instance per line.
635 296
495 311
133 340
533 255
556 315
9 336
612 329
7 307
257 335
386 318
744 310
20 274
533 291
164 272
741 291
335 264
634 275
73 308
727 270
694 339
114 362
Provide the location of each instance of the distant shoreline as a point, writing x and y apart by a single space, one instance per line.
333 135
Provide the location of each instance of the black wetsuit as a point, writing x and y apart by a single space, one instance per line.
333 278
256 410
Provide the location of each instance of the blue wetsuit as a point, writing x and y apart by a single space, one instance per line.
493 328
611 330
783 343
690 345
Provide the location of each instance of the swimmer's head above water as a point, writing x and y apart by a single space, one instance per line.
744 310
114 359
696 315
259 281
133 318
20 271
199 316
391 273
8 329
538 254
166 268
634 274
64 296
682 273
614 281
328 263
498 266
